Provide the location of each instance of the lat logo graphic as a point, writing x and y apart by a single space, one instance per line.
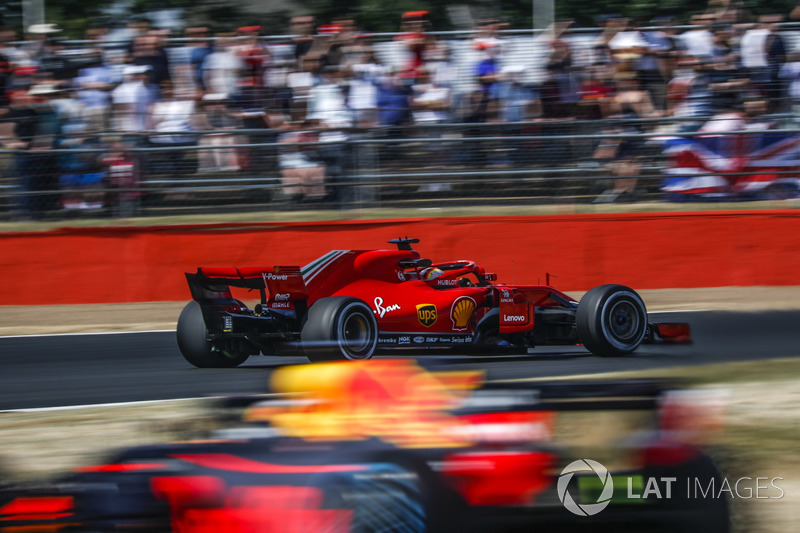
380 310
426 314
587 467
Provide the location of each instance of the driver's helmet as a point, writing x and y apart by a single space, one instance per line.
431 273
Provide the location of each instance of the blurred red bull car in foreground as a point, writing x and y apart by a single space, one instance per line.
352 304
386 445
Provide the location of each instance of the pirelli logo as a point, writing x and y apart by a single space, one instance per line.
426 314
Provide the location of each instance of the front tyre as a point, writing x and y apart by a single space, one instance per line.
611 320
340 328
193 341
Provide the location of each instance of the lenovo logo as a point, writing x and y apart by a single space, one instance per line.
514 318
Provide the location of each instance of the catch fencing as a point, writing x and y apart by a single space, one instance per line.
443 165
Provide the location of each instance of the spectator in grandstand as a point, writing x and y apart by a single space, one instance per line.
638 51
6 65
95 82
254 55
668 47
131 101
623 155
36 129
688 93
124 178
302 28
299 82
699 41
414 26
39 41
753 53
430 102
344 43
328 112
394 101
487 76
790 72
222 66
326 100
562 71
776 57
519 103
82 176
174 118
217 117
302 174
197 49
597 90
149 51
365 78
726 82
430 105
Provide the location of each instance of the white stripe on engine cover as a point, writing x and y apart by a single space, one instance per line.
311 270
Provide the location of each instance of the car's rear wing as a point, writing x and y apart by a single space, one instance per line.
279 286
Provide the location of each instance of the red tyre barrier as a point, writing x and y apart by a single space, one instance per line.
641 250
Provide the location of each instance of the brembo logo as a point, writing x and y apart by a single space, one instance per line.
586 509
426 314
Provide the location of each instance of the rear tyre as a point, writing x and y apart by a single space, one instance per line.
340 328
193 341
611 320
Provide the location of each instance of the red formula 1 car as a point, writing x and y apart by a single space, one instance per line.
351 304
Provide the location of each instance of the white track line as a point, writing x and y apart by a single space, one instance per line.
101 405
76 334
123 404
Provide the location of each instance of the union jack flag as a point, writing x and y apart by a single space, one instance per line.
721 164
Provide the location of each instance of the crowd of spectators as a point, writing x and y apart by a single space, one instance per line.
223 91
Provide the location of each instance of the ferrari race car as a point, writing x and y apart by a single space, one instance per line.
388 446
352 304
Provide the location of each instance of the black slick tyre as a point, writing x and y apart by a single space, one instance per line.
193 341
340 328
611 320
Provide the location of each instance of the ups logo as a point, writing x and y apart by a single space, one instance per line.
426 314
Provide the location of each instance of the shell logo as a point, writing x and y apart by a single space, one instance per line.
461 312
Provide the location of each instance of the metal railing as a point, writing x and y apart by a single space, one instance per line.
524 163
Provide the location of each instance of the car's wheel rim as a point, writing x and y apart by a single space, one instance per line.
623 321
356 338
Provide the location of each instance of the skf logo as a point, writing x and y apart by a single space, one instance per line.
426 314
461 312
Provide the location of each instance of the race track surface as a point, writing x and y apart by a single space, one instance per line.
68 370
